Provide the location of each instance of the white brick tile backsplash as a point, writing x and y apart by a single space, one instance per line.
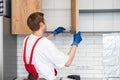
94 50
94 46
87 61
94 54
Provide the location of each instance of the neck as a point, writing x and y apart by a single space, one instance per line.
38 33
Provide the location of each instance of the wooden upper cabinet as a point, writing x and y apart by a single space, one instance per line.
21 9
63 15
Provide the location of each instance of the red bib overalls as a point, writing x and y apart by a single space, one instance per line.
29 66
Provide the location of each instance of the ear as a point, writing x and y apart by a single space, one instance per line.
41 24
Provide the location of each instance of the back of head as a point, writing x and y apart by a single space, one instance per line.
34 19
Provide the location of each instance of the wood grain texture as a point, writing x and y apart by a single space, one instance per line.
74 15
21 9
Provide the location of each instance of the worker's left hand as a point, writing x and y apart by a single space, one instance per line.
58 30
77 38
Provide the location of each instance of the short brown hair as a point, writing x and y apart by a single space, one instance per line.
34 19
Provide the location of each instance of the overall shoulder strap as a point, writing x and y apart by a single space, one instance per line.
24 51
31 56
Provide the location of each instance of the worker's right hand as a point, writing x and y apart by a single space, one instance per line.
77 38
58 30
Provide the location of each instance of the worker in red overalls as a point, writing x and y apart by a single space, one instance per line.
40 54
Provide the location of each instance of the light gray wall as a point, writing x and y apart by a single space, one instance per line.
8 51
1 47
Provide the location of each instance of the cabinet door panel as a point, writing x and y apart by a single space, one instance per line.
103 4
103 22
55 18
86 22
21 9
116 23
85 4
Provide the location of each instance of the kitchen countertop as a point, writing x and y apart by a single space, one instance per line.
72 79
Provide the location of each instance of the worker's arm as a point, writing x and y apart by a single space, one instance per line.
71 53
50 36
55 32
57 57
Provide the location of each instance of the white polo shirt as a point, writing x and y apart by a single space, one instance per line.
46 56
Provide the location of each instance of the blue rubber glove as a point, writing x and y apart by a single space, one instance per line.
58 30
77 38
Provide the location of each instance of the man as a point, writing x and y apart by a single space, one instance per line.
40 54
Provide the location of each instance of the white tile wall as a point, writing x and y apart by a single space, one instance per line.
103 4
87 61
50 4
116 21
99 22
116 4
99 4
103 22
86 21
86 4
61 4
56 4
55 18
57 13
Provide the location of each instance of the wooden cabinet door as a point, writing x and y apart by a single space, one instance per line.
74 15
21 9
